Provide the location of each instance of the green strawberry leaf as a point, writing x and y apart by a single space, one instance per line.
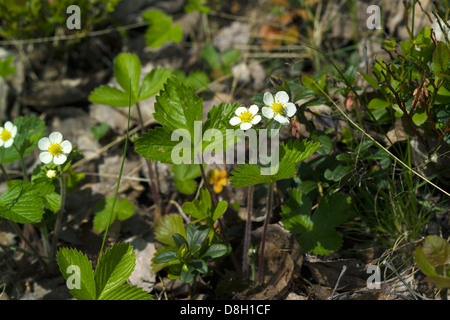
73 259
290 155
161 29
22 202
113 268
178 108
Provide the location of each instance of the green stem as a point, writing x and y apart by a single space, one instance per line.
263 237
208 186
22 162
120 177
60 212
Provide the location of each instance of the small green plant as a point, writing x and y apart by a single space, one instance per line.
219 63
188 251
30 199
114 265
191 253
103 210
161 29
316 232
433 259
184 177
127 72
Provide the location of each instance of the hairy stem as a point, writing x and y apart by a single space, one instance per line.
22 162
62 187
264 233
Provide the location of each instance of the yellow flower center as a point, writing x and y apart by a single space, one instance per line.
278 107
55 149
246 116
5 135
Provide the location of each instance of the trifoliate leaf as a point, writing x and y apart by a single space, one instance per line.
22 202
290 155
184 175
77 270
113 268
316 232
123 209
161 29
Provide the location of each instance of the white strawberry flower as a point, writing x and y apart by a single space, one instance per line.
54 148
7 134
278 108
246 117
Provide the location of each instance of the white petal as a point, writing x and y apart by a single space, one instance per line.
291 109
8 126
14 131
235 121
1 129
8 143
1 143
281 119
256 119
55 137
268 99
267 112
45 157
66 146
282 96
240 110
245 125
253 109
59 159
43 144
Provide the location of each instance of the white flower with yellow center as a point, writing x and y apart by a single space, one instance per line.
246 117
7 134
54 148
278 108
